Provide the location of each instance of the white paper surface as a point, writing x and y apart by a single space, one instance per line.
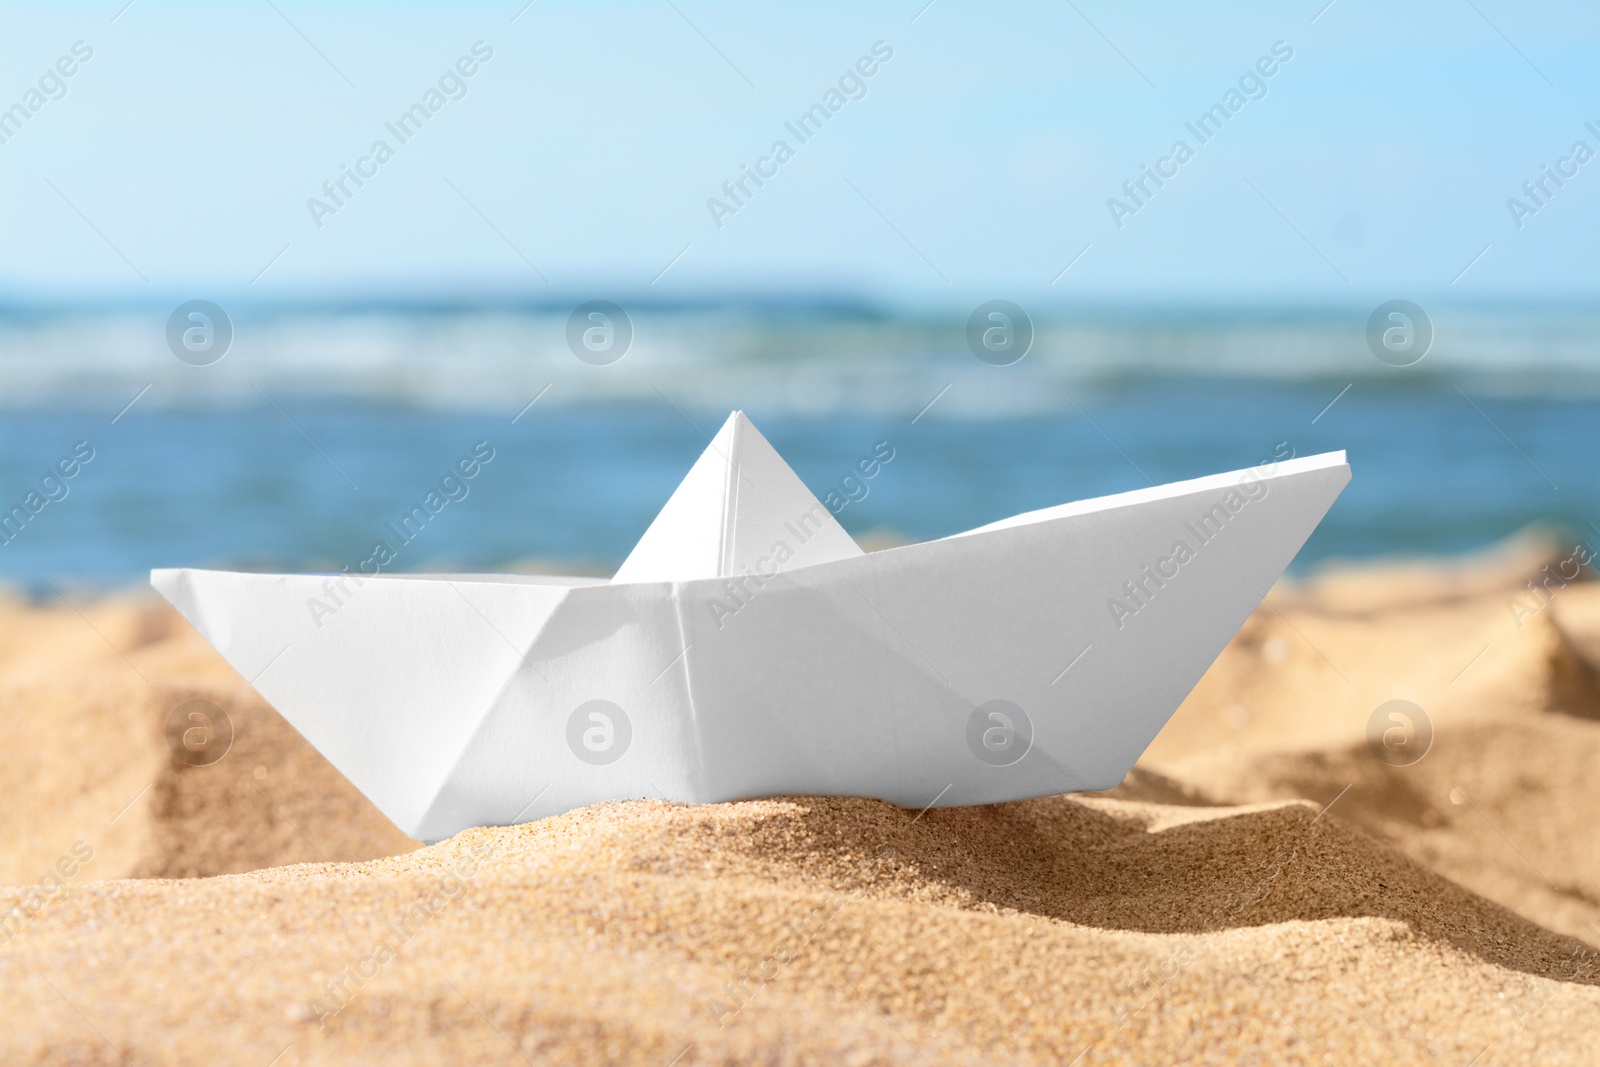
739 499
748 647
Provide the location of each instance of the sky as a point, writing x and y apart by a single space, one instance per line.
587 151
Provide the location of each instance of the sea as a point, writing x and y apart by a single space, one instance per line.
320 425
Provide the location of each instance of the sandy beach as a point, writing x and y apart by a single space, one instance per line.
1280 880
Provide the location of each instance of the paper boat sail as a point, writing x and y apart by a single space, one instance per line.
748 647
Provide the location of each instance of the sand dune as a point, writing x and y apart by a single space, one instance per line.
1265 887
1502 802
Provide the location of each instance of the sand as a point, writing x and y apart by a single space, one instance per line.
1264 887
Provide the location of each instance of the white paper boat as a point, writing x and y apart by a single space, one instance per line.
748 647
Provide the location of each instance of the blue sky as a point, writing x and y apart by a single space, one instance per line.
979 162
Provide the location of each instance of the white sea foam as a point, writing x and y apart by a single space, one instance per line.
806 362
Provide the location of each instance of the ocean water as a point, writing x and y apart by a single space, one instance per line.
319 428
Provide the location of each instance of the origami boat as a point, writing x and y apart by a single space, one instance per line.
748 647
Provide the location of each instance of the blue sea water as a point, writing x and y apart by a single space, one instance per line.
308 482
